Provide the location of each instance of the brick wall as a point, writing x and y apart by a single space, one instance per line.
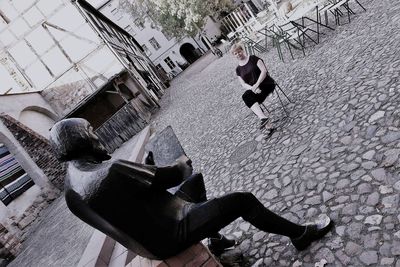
39 150
10 245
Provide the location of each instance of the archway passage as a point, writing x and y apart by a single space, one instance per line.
189 53
38 119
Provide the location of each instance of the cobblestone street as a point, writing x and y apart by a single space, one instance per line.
337 153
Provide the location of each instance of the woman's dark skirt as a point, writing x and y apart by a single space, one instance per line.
250 98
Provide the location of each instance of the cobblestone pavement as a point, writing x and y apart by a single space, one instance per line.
337 153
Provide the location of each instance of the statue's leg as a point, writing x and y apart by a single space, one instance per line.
247 206
193 189
211 216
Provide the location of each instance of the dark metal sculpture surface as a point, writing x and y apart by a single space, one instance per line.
117 196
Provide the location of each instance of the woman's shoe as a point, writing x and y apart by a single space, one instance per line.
263 122
312 233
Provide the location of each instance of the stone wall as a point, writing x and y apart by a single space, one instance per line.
22 224
10 245
39 150
66 97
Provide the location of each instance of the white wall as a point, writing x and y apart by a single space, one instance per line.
37 121
30 109
37 38
212 29
14 104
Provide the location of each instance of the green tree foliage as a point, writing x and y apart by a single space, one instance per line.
176 17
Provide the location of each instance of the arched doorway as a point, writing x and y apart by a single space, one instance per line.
38 119
189 53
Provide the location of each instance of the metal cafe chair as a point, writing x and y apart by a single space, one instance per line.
287 36
278 90
253 46
307 19
337 12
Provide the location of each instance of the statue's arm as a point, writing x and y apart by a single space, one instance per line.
170 176
167 177
143 174
152 176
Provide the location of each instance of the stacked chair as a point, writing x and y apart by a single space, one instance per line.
296 33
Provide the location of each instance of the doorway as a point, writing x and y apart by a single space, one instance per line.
189 53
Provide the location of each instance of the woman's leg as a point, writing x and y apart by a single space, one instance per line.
266 90
251 100
258 111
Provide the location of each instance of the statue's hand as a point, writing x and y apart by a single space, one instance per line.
185 165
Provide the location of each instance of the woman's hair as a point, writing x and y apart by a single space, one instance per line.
236 46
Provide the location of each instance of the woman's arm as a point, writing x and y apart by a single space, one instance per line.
263 74
245 85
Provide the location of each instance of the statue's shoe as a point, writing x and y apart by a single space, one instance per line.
312 233
219 245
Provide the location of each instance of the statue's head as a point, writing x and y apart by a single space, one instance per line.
74 139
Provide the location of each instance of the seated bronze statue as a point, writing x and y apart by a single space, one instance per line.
129 201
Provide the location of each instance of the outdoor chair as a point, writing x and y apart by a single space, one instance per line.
306 17
288 36
338 12
278 91
264 31
312 20
253 46
323 11
298 32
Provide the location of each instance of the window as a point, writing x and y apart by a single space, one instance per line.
154 43
146 50
128 29
139 24
117 15
159 67
14 180
170 63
